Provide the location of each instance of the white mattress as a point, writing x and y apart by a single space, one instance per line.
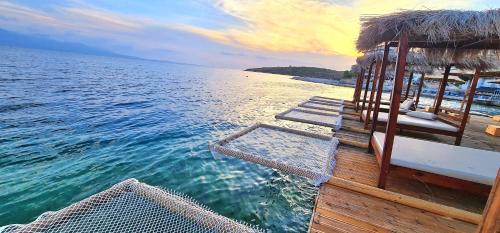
414 121
464 163
387 107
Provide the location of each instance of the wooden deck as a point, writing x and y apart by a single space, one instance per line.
339 209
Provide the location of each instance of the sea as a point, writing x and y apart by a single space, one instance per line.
72 125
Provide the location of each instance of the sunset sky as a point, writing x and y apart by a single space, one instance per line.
225 33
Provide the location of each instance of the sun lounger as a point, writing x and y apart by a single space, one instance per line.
447 165
418 124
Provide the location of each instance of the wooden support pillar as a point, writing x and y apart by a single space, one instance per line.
410 79
420 86
372 93
491 214
467 91
380 89
357 91
390 131
442 89
470 100
366 90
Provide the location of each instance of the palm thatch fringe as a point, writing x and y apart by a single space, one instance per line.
430 26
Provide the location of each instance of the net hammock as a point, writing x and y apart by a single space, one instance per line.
326 101
322 106
296 152
327 98
131 206
312 117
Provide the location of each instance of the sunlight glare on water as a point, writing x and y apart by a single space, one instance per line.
72 125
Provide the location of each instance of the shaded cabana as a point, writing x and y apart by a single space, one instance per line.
468 38
417 64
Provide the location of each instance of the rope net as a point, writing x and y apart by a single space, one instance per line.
312 117
327 101
322 106
131 206
293 151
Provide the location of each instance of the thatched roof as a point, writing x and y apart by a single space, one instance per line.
426 60
356 69
376 55
415 61
451 79
433 29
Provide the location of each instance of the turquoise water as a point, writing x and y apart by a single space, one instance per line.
72 125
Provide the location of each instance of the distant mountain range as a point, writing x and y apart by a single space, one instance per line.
310 72
9 38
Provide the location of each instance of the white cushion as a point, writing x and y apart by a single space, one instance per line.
423 115
406 105
386 107
413 121
464 163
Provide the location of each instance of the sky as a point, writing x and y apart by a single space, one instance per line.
217 33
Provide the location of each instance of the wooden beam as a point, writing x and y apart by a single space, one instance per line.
432 207
491 214
464 100
380 89
366 89
470 99
393 109
442 89
410 79
420 86
372 93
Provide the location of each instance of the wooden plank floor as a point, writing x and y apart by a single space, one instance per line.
342 210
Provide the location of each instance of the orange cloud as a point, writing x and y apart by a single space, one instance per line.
321 27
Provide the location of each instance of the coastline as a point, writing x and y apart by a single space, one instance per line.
335 82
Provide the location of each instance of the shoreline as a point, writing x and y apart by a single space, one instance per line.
334 82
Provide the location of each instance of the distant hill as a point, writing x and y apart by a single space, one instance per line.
312 72
8 38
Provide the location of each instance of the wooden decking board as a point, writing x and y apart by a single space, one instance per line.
348 210
376 215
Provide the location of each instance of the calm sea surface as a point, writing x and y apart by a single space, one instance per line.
72 125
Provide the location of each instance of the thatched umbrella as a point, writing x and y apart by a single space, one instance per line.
446 35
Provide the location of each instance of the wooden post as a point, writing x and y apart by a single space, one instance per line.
470 99
442 89
372 93
464 100
357 91
491 213
410 79
393 109
366 90
378 98
420 86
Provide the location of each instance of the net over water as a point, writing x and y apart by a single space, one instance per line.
292 151
131 206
